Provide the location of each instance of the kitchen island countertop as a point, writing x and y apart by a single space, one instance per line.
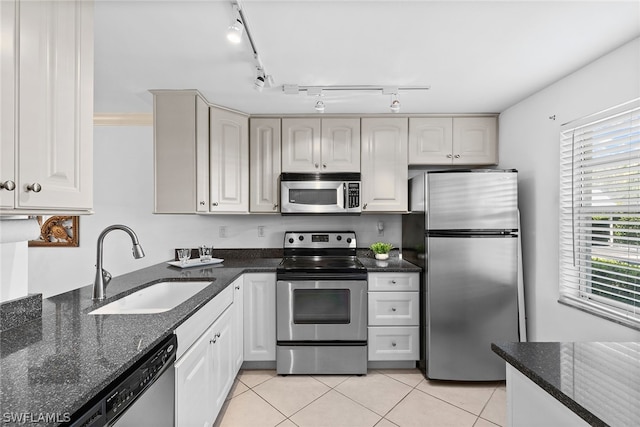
598 381
53 365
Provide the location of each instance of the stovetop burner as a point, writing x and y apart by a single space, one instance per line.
320 253
321 262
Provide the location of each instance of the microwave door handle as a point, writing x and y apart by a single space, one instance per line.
344 195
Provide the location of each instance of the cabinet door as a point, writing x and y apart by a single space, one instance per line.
264 165
194 384
229 161
475 141
223 372
7 102
340 148
260 317
180 129
55 108
238 324
430 141
384 164
301 145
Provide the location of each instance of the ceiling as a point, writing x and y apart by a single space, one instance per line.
477 56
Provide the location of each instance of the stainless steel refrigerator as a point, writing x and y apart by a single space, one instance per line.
462 229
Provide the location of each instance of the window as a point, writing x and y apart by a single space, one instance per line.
600 214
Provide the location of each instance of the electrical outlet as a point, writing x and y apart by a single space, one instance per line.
222 231
261 231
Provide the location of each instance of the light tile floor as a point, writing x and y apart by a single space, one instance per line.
382 398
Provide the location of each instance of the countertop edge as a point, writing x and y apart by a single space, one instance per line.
567 401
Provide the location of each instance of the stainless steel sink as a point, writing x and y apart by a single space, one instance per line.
157 298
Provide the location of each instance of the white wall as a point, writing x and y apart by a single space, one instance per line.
123 193
529 142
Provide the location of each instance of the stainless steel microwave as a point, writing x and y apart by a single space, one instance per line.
320 193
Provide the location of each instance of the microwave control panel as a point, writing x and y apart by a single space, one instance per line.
354 194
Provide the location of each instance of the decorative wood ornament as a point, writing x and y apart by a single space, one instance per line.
58 230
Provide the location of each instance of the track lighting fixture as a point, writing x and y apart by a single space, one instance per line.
384 90
319 107
260 80
234 33
395 104
239 27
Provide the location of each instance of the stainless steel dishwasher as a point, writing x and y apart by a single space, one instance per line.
142 396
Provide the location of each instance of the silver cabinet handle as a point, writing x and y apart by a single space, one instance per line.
275 206
215 203
316 165
238 287
393 309
8 185
393 282
364 206
393 344
213 341
449 156
35 187
202 203
457 156
324 165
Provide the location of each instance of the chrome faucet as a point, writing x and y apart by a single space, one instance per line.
103 277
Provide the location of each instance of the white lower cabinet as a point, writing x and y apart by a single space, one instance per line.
206 367
238 324
260 317
394 319
194 385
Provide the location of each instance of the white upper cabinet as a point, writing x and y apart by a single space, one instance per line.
264 165
320 145
7 104
180 128
47 85
340 148
475 140
453 141
228 162
384 164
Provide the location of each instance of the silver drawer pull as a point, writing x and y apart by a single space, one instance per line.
8 185
393 282
393 309
238 287
393 344
35 187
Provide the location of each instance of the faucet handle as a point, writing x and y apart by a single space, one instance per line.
106 277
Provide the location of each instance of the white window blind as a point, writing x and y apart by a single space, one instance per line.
600 214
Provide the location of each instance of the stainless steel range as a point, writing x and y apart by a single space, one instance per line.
321 301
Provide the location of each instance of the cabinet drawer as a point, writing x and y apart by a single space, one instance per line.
189 331
394 343
393 308
394 281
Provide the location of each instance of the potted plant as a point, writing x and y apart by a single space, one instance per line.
381 249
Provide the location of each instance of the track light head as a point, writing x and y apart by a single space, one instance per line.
259 83
395 104
319 107
234 33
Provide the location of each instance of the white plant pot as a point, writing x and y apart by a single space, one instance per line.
382 256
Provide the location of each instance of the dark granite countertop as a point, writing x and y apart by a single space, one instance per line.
393 264
53 365
599 381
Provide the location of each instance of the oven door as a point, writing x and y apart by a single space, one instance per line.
321 310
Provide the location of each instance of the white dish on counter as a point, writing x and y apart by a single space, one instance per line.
195 262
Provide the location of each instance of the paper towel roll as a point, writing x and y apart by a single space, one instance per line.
19 230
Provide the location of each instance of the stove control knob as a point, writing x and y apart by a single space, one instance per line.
348 239
339 238
290 239
301 238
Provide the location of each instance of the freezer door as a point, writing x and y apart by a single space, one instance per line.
472 201
471 302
